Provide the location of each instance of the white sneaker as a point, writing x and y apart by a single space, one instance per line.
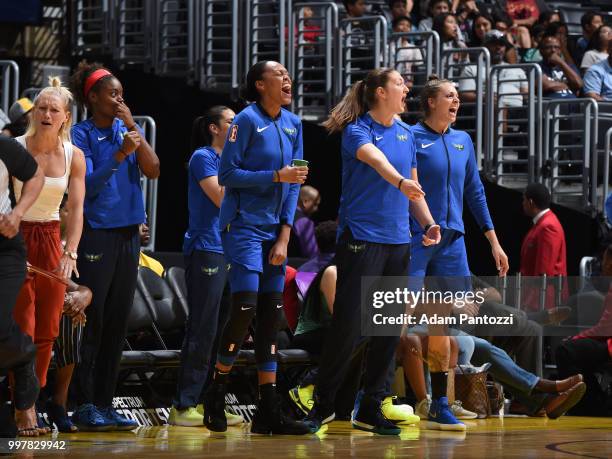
422 408
461 413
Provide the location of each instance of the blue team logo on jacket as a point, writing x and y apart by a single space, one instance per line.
458 146
290 131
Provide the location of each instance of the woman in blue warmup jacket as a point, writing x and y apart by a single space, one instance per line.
448 174
116 153
379 192
261 191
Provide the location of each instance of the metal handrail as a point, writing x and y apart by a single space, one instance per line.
149 186
10 84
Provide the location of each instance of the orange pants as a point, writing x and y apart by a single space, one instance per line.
41 300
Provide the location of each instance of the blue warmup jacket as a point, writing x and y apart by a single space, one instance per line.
448 172
256 146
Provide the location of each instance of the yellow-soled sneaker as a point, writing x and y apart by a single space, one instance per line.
398 414
189 417
231 418
303 397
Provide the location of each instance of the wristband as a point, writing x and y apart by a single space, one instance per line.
276 176
399 185
426 227
131 127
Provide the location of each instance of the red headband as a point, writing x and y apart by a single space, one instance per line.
93 79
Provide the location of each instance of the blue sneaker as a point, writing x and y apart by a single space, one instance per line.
120 422
442 418
88 419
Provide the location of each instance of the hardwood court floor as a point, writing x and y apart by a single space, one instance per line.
568 437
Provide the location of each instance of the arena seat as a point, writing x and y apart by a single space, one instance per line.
175 276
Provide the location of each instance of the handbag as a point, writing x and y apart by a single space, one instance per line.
496 396
471 389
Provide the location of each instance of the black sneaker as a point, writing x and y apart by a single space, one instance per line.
320 414
214 408
369 417
269 419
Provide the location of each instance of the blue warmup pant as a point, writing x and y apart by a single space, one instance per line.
205 276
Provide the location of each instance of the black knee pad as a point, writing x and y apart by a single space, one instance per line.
244 307
270 319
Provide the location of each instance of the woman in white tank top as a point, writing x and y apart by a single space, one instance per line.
41 300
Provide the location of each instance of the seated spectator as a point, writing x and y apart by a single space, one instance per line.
19 118
482 24
435 8
559 79
302 243
533 54
355 8
465 12
590 22
548 17
446 26
598 79
525 12
401 9
145 260
518 35
597 50
403 54
559 30
495 41
325 235
589 352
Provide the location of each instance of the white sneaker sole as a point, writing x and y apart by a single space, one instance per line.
431 425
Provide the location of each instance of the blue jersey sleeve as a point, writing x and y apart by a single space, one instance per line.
231 173
288 210
94 179
354 137
474 191
203 165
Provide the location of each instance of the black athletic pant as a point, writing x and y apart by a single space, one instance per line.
205 275
356 259
108 265
15 346
587 356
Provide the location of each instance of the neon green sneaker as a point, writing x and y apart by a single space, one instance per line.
232 419
398 414
189 417
303 397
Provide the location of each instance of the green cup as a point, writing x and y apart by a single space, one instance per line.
299 163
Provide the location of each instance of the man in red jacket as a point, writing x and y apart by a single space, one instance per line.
543 250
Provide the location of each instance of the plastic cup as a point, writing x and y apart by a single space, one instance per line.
299 163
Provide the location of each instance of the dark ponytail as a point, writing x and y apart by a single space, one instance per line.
430 91
249 91
200 132
77 82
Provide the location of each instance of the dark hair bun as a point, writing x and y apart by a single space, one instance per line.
433 77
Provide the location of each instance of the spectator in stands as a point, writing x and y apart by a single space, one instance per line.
434 8
590 22
303 243
67 349
355 8
402 9
598 79
543 250
589 352
255 217
547 17
465 13
517 35
513 82
559 30
533 54
482 24
403 54
374 235
597 50
19 118
144 260
525 12
206 272
446 26
559 79
116 153
17 351
40 301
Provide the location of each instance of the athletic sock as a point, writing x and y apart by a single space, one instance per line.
438 384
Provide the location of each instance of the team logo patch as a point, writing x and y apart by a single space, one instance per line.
356 248
290 131
402 137
458 146
210 271
93 257
228 267
233 133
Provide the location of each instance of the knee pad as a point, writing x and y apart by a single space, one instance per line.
270 318
244 306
